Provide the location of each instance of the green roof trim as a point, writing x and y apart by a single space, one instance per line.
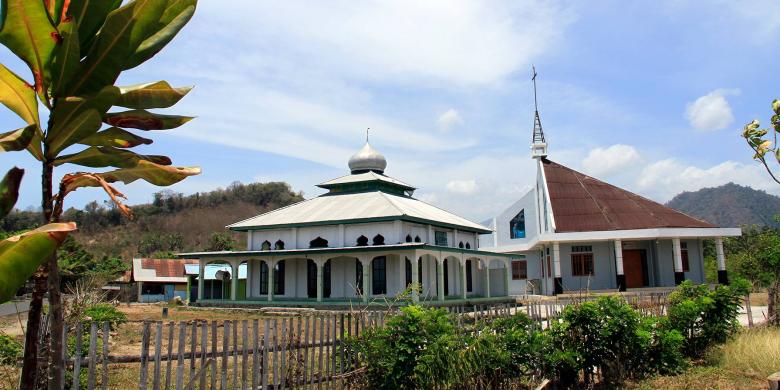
363 220
351 249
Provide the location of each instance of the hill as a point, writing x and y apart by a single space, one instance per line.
173 222
729 205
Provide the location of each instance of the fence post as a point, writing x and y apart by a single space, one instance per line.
92 355
225 359
180 357
264 372
104 357
157 353
749 311
144 358
244 356
169 356
255 344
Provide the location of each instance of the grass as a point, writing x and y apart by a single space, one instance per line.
742 363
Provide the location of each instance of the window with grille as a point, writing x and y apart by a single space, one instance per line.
519 270
379 276
684 256
582 260
441 238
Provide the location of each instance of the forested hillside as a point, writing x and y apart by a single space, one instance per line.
729 205
172 222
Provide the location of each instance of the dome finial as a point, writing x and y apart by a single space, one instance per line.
367 159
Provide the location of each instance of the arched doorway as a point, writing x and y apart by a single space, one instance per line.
311 279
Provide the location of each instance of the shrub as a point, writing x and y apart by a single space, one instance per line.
416 349
10 350
705 317
104 312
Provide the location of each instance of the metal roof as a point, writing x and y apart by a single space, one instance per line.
161 270
359 207
581 203
364 177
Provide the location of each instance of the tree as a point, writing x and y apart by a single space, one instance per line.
768 258
221 241
75 51
756 139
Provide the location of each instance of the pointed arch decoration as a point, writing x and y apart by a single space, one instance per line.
318 242
378 240
279 245
266 245
409 238
362 241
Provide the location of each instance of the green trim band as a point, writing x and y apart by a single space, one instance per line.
352 249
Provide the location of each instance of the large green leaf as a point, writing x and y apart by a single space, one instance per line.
76 118
175 17
106 156
9 190
116 137
19 97
28 32
90 15
145 120
66 56
123 31
159 175
21 255
151 95
18 139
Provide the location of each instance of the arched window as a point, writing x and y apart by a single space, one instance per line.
517 225
279 245
379 240
362 241
460 245
311 279
468 246
379 276
408 238
263 278
279 278
266 245
318 242
469 283
417 239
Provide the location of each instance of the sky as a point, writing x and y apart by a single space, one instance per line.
649 96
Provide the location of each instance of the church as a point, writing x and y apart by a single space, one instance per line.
578 234
366 240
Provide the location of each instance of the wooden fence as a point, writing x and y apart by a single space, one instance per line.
302 350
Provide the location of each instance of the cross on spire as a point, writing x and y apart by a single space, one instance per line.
367 129
539 144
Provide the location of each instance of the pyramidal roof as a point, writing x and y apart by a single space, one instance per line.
582 203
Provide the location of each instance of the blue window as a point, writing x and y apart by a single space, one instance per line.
517 225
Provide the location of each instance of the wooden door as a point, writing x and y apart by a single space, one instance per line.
635 268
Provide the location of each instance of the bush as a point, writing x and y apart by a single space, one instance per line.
705 317
416 349
104 312
10 350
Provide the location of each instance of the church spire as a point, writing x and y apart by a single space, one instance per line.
539 144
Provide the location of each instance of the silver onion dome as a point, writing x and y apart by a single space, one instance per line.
367 159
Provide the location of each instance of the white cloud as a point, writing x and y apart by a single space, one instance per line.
448 119
464 187
711 111
666 178
610 160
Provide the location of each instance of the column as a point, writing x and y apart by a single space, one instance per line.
487 278
558 286
620 276
270 279
140 288
415 278
189 287
233 281
201 282
440 279
508 275
723 277
366 261
679 275
320 277
464 282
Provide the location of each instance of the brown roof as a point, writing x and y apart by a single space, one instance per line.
164 268
581 203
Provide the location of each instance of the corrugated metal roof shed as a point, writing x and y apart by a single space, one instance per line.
582 203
